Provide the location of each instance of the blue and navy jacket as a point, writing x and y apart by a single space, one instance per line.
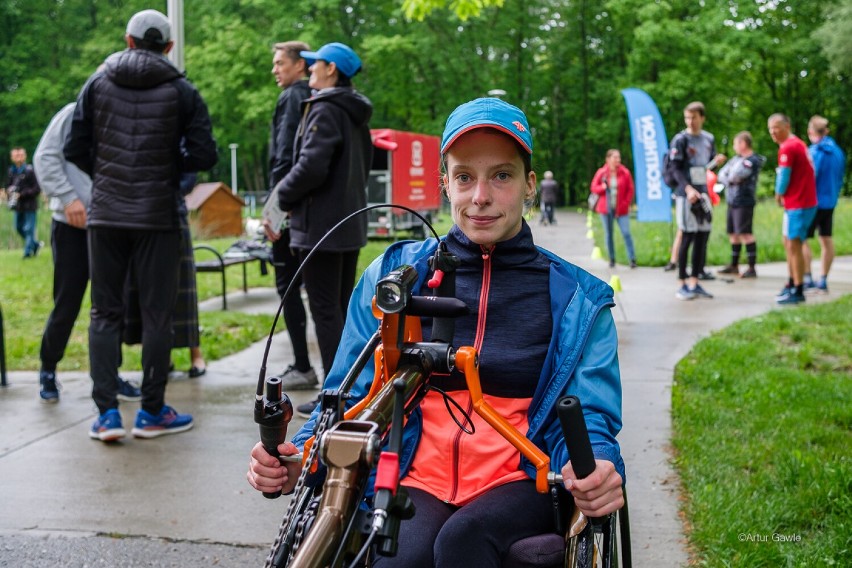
581 358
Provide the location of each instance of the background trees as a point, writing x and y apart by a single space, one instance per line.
564 62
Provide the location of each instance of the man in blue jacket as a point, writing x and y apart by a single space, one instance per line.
829 167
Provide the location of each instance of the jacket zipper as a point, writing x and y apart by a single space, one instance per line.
477 344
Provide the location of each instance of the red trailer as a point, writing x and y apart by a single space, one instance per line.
405 171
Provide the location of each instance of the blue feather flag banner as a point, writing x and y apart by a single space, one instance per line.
649 143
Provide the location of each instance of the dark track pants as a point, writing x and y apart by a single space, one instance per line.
286 263
70 278
329 279
155 257
698 242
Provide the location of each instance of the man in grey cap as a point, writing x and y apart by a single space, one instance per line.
137 126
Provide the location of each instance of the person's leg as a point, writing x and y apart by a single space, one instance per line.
25 224
807 261
797 261
827 256
109 257
156 260
418 534
70 278
751 252
19 223
624 227
676 247
196 358
686 241
699 252
323 279
286 264
606 220
826 242
481 532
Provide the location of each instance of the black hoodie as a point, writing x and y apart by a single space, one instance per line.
328 180
127 133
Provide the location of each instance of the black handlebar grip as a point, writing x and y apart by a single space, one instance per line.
276 413
570 413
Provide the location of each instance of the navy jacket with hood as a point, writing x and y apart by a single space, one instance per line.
138 125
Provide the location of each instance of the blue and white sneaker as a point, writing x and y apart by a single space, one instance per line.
684 293
701 292
168 421
108 428
128 392
822 286
791 299
48 387
785 291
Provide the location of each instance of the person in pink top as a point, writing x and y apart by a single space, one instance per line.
795 190
614 184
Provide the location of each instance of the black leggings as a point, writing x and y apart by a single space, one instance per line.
286 263
698 241
478 534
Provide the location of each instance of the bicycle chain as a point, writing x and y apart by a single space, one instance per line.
284 528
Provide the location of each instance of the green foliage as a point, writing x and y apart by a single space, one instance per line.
834 34
565 63
463 9
762 435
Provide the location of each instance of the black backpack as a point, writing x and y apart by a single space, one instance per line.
670 167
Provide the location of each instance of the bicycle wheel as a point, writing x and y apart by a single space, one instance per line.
602 544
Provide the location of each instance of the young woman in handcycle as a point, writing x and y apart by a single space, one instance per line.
542 328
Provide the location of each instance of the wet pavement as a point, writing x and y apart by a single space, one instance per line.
183 500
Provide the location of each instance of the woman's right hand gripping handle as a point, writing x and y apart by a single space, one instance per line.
266 473
594 484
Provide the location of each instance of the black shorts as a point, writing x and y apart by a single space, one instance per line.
739 220
824 221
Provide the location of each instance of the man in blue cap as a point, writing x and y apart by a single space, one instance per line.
327 181
542 328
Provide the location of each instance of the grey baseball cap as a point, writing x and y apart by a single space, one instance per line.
150 25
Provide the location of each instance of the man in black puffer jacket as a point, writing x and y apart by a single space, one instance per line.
327 182
138 125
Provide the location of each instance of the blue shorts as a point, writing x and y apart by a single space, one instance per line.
797 222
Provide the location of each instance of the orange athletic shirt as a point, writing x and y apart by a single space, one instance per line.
457 467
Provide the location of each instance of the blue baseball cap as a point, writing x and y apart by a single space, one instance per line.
487 113
346 60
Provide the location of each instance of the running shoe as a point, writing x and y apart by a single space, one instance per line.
108 428
168 421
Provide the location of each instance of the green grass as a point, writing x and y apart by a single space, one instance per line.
26 301
653 241
762 413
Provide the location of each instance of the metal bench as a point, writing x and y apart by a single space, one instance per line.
220 263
